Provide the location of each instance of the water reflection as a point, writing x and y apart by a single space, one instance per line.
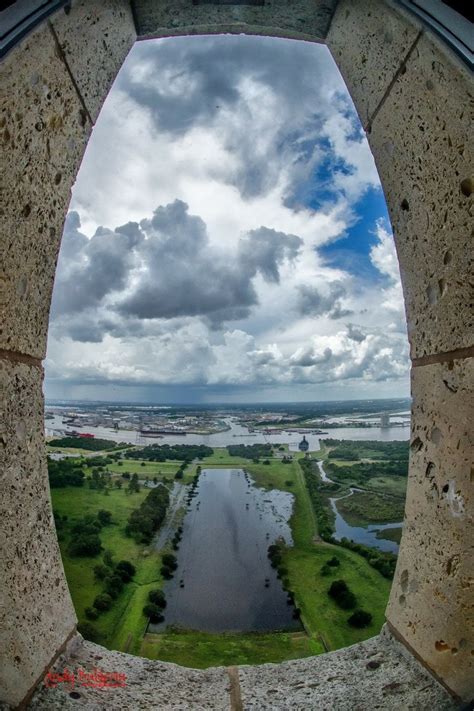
224 581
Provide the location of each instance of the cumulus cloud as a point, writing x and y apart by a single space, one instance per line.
312 302
251 149
162 268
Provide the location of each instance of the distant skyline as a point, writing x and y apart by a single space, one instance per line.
227 239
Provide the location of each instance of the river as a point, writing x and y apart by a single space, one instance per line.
224 580
239 434
367 535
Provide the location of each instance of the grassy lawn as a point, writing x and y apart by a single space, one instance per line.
125 617
365 507
201 650
145 470
123 627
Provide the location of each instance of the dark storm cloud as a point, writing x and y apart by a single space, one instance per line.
313 303
91 269
185 276
162 268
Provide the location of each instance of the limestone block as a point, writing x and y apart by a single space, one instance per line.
36 612
420 141
44 131
375 674
369 40
300 18
148 684
431 602
95 38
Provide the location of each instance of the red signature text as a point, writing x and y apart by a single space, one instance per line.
95 679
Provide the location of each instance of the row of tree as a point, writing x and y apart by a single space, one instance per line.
148 517
250 451
163 452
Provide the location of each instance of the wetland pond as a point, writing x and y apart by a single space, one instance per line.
224 581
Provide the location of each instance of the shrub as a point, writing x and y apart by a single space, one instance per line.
153 612
157 597
103 602
91 613
360 618
166 572
334 562
325 569
341 594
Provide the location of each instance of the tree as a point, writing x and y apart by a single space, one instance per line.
125 569
105 517
341 594
103 602
101 571
86 545
170 561
157 597
360 618
153 612
91 613
114 585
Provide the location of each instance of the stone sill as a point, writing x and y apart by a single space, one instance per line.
377 674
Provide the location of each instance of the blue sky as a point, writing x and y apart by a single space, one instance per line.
227 239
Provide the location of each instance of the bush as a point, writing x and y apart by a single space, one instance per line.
88 631
157 597
325 569
341 594
91 613
360 618
334 562
166 572
153 612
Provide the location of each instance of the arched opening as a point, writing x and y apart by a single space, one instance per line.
397 70
237 252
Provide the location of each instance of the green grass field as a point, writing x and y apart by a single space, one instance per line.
123 626
201 650
366 507
125 617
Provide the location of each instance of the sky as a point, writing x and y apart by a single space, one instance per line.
227 238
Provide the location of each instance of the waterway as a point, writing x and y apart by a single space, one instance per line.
224 580
239 434
367 535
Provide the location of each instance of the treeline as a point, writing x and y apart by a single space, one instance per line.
65 472
319 493
353 450
363 471
149 516
250 451
163 452
91 444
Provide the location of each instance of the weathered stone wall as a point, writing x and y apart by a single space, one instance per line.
52 87
415 100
